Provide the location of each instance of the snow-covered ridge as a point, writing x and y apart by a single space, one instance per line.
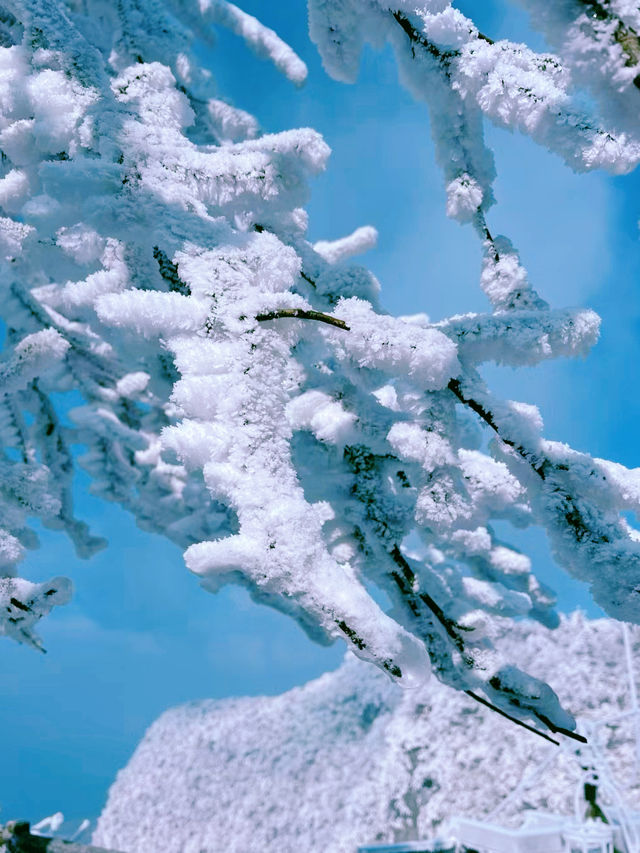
350 758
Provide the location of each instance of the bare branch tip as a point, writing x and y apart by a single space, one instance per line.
301 314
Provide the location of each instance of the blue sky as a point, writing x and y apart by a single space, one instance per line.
140 635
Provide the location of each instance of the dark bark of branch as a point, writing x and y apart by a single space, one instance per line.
515 720
388 665
169 272
301 314
559 730
418 38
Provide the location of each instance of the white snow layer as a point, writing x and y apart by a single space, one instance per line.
350 758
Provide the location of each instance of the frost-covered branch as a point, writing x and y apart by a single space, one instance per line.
599 42
153 253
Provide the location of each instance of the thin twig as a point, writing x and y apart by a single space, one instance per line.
559 730
301 314
485 38
509 717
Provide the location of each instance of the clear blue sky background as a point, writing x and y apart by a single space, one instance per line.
141 635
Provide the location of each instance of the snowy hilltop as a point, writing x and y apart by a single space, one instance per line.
352 758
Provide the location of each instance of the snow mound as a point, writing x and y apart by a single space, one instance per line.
352 758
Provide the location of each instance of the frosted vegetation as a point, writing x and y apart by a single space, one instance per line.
243 391
349 758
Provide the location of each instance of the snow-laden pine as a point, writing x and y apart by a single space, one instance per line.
350 759
242 390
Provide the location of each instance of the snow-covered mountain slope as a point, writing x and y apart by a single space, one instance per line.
351 757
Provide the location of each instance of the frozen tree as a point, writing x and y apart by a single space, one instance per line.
240 390
349 758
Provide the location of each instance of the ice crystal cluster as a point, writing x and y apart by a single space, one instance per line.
241 390
350 758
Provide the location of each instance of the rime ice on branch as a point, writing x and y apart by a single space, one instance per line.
243 392
599 41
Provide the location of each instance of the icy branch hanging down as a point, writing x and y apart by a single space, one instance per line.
243 392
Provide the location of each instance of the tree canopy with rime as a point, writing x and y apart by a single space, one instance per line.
243 391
